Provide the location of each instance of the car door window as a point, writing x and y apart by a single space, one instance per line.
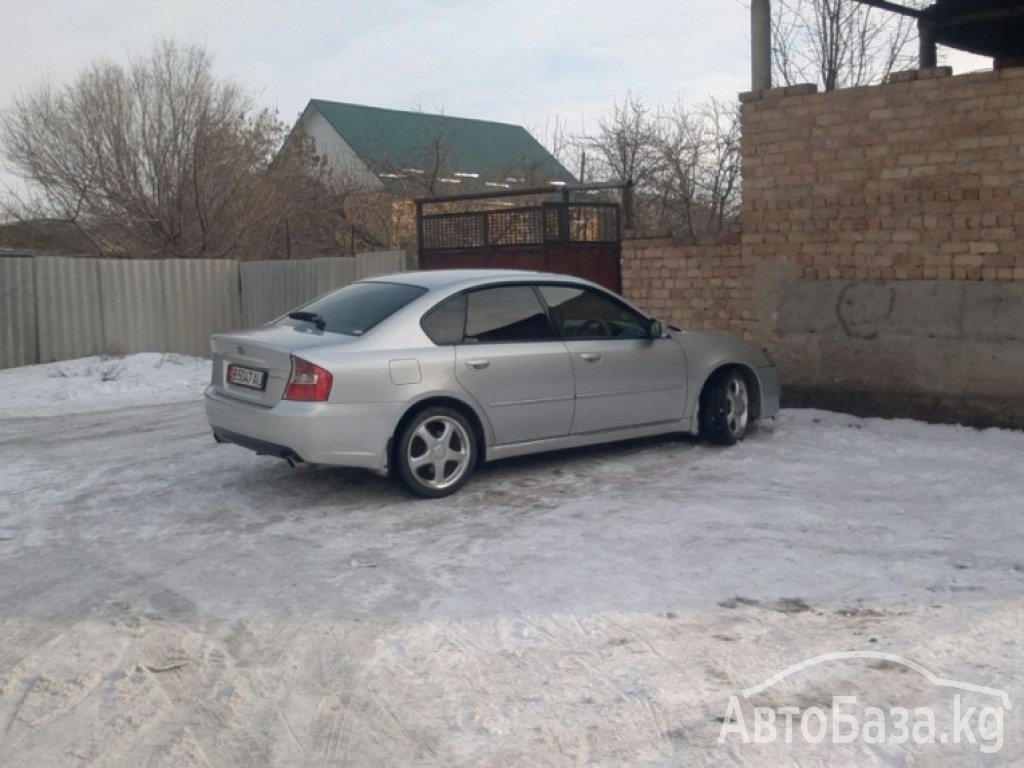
506 313
583 313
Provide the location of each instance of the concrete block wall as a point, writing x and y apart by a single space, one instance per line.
881 258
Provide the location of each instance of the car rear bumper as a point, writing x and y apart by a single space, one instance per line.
345 435
771 391
262 447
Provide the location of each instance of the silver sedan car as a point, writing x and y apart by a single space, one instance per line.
427 375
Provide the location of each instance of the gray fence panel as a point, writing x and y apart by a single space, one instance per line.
333 272
17 312
133 306
271 288
201 298
59 308
69 314
382 263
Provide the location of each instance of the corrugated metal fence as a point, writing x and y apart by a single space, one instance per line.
271 288
60 308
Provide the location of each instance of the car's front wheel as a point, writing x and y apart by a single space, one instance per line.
436 452
725 408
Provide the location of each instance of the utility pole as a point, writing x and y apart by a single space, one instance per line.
761 44
928 52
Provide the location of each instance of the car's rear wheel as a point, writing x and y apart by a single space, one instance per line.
436 452
725 408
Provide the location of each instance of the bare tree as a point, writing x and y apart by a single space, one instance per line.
157 158
625 144
838 43
427 169
323 210
625 147
555 136
697 186
684 164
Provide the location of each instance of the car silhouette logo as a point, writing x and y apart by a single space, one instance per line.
1003 696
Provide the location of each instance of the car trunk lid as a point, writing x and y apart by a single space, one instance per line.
254 366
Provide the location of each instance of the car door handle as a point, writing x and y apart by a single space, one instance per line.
479 364
591 357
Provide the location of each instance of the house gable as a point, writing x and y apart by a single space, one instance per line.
337 152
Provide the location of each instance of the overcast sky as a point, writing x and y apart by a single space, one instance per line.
521 61
517 60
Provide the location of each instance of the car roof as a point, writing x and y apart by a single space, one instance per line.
434 279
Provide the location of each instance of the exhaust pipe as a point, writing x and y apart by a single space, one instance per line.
296 463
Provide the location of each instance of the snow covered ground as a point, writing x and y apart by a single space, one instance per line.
101 383
165 601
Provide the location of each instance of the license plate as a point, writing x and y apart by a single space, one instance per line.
247 377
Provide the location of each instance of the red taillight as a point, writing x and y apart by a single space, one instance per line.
308 382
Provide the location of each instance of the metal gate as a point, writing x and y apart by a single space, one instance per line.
574 238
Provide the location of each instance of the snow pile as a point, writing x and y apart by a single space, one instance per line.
101 383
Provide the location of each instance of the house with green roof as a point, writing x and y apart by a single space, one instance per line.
414 154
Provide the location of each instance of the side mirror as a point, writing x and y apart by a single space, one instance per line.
654 329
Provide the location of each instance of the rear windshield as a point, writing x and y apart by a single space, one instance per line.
356 308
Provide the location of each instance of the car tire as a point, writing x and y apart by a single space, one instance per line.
436 452
725 408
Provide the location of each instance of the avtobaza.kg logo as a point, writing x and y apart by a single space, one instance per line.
849 720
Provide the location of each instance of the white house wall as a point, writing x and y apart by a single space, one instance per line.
340 156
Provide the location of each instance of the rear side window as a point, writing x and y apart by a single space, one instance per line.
506 313
446 322
358 307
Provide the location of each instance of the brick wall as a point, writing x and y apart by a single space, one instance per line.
701 286
922 178
881 258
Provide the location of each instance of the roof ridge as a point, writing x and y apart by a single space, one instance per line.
421 114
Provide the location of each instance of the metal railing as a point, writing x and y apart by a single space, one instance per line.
525 226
